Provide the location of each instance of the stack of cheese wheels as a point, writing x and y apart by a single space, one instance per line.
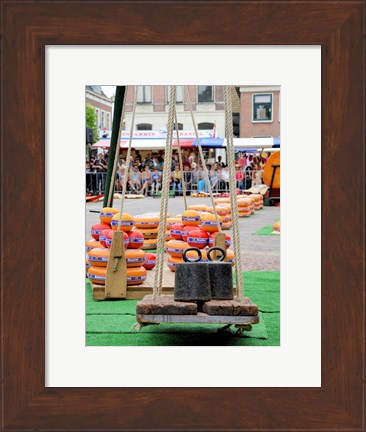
276 228
258 201
126 222
245 206
97 228
223 210
135 275
135 259
208 222
198 238
176 231
148 225
200 208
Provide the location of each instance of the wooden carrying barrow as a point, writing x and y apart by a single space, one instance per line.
165 310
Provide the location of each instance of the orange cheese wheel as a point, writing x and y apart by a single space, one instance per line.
274 159
208 222
147 220
226 226
245 214
277 226
91 244
88 264
97 274
150 244
149 233
168 236
199 208
106 214
173 261
191 217
136 275
126 223
99 257
135 257
175 248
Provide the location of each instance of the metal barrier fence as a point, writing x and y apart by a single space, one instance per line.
95 182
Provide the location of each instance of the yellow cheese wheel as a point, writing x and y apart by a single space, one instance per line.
99 257
149 233
147 220
91 244
191 217
173 261
106 214
175 248
208 223
135 276
198 207
97 274
150 244
126 223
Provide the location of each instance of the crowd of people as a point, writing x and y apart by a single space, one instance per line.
145 173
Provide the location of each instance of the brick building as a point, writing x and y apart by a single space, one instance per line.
259 111
152 108
103 106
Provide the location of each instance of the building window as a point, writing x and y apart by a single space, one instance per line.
102 122
179 94
262 107
180 126
108 121
97 117
205 94
144 94
144 126
205 126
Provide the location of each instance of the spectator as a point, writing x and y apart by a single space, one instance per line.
187 178
219 161
100 167
249 160
239 178
177 179
225 177
214 176
243 160
145 180
120 174
202 185
195 176
155 181
135 179
138 157
257 175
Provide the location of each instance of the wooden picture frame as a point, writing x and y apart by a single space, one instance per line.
27 27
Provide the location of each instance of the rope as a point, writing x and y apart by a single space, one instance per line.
116 156
232 186
124 186
158 279
180 159
205 170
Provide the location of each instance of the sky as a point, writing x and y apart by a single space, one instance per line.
109 90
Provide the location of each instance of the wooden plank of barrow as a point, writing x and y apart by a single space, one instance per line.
200 318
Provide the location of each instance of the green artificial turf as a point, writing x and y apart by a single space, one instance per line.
109 323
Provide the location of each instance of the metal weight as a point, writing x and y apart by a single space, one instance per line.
220 275
192 280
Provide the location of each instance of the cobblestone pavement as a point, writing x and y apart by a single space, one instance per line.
259 252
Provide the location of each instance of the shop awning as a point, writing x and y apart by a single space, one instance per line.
138 144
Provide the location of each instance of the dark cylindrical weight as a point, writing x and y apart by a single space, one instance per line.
192 282
221 276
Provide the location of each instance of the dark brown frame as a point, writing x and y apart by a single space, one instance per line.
27 27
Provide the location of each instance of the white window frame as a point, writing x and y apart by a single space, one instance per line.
167 95
259 94
213 95
152 96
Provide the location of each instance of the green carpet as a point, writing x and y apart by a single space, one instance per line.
108 323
